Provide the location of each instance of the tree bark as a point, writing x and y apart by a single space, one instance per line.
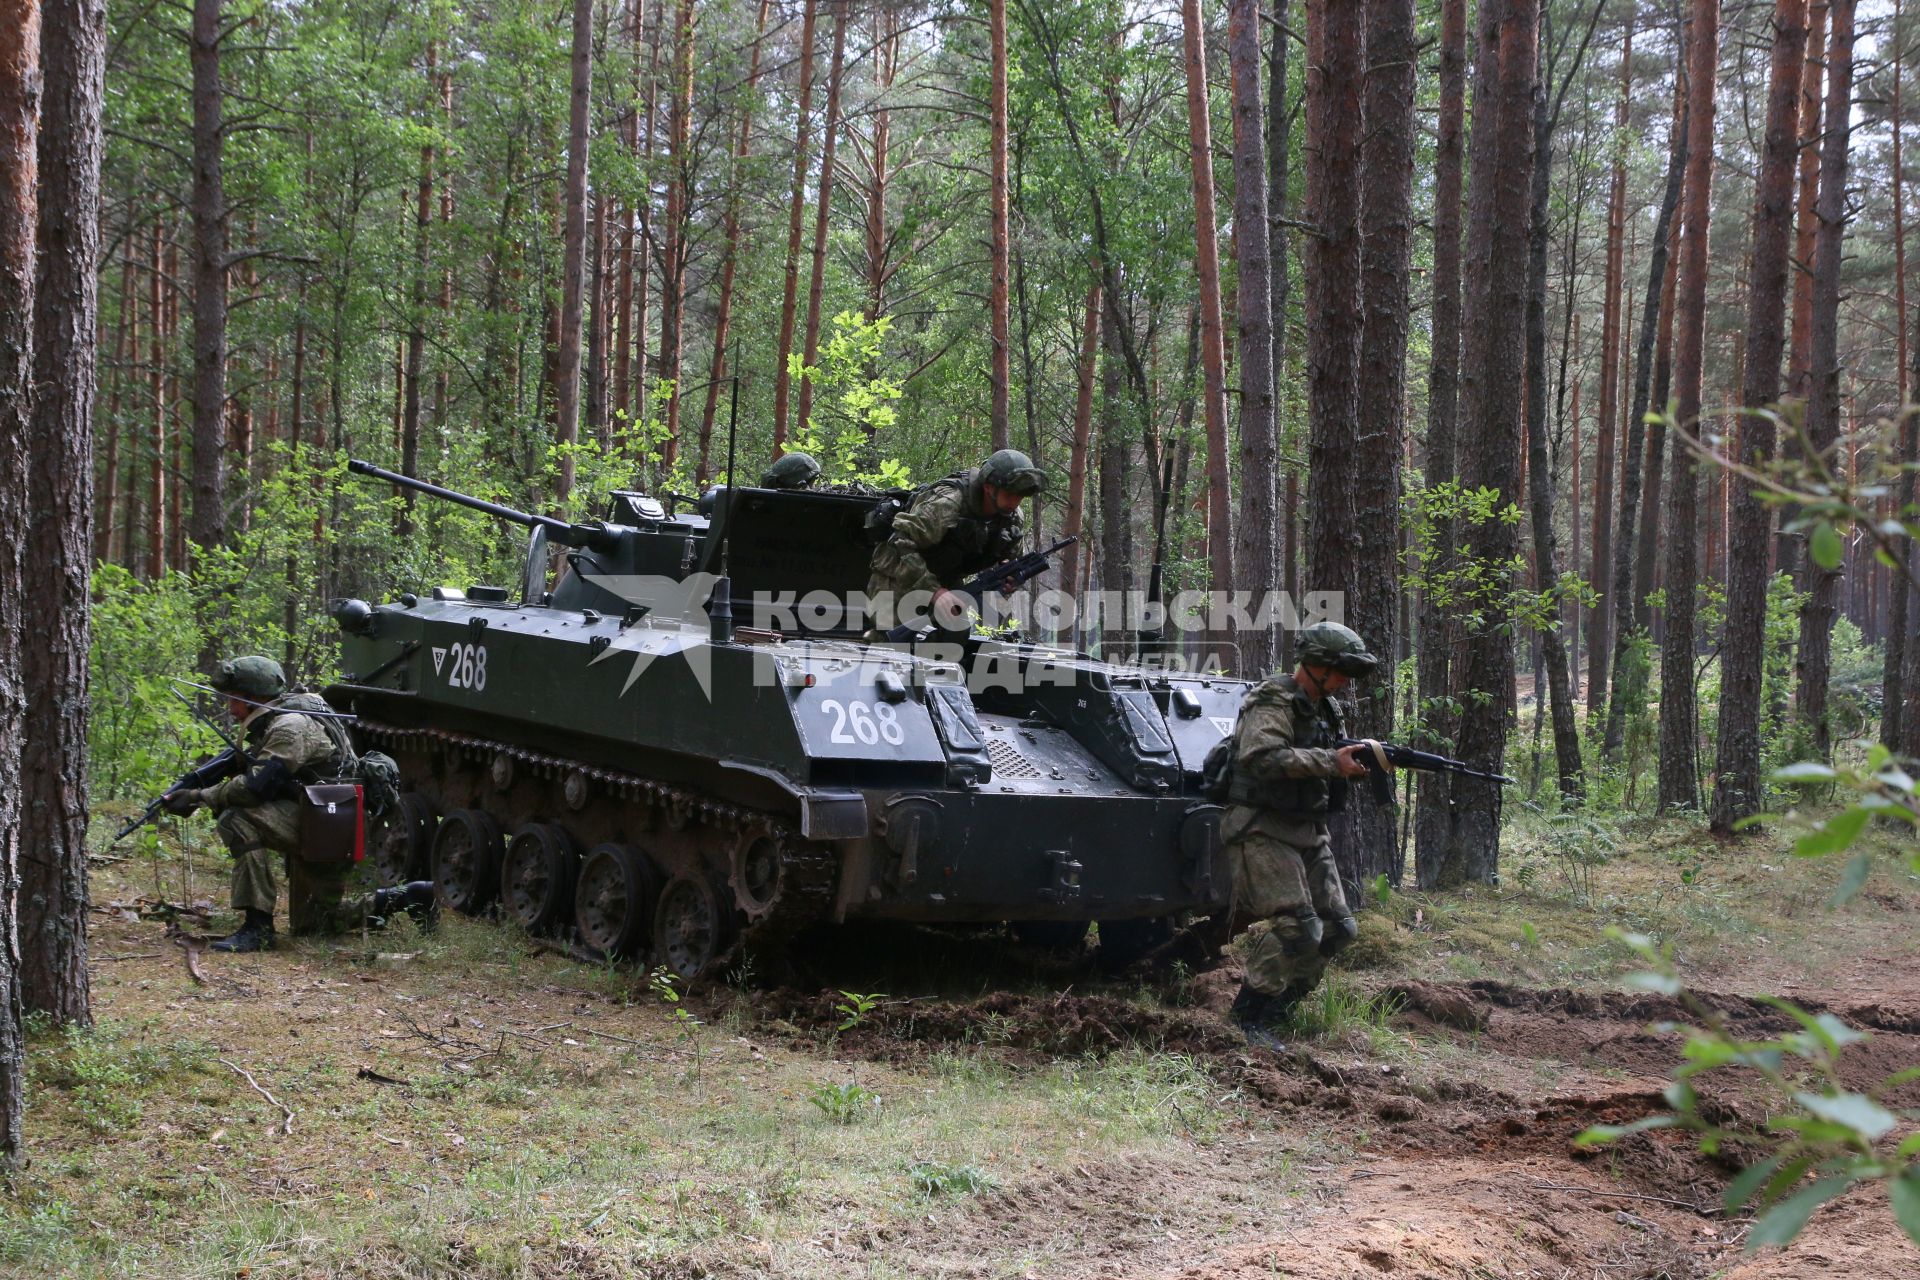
157 389
803 105
573 251
1336 73
1082 438
1552 653
208 526
1259 448
1737 791
52 910
1213 359
595 416
1386 234
999 375
1823 400
1279 146
1812 80
1600 616
1432 816
675 250
20 88
724 316
417 318
829 134
1496 307
1679 722
1893 702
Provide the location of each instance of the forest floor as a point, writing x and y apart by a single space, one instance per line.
467 1104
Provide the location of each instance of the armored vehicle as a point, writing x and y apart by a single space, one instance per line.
603 749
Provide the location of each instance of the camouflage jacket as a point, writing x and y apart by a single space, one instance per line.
303 745
940 541
1284 759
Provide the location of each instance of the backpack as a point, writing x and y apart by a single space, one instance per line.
879 522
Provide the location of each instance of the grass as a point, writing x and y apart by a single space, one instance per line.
551 1122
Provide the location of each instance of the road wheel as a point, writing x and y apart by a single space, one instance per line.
690 929
613 900
402 845
466 860
537 877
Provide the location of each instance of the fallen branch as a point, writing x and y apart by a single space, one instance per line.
131 955
286 1125
193 964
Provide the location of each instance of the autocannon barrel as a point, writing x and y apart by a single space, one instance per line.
569 535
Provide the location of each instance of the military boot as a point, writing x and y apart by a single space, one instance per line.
417 898
1260 1017
254 934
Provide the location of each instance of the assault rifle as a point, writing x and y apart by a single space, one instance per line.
223 766
1378 756
1002 577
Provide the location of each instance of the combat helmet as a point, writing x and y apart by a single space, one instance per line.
791 471
1013 471
258 678
1329 644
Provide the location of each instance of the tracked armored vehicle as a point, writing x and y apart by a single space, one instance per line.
604 750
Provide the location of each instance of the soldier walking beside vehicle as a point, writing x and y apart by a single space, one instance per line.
258 813
1287 777
951 530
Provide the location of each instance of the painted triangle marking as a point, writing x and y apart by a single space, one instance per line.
439 656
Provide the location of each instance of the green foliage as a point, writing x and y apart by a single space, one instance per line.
664 984
844 1103
853 1008
857 404
933 1179
139 735
1470 589
107 1068
1820 1126
1573 847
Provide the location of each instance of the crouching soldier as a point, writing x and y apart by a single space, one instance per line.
258 814
1287 778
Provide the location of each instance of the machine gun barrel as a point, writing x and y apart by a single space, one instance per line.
567 535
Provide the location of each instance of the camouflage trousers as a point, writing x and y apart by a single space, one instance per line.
1283 870
316 891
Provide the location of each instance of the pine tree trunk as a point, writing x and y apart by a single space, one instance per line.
1213 359
724 317
803 105
1823 400
675 248
1386 203
1737 791
1495 305
1893 703
1116 507
1600 616
1432 816
1259 447
1552 652
829 134
210 230
416 321
107 535
999 374
1336 73
573 251
1812 80
595 425
1279 145
1679 722
52 903
157 388
1082 438
20 88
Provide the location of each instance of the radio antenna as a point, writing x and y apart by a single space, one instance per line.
720 609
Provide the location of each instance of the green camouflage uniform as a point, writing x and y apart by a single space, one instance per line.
254 829
1284 771
939 541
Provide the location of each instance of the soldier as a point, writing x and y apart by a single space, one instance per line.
791 471
258 814
951 530
1287 777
